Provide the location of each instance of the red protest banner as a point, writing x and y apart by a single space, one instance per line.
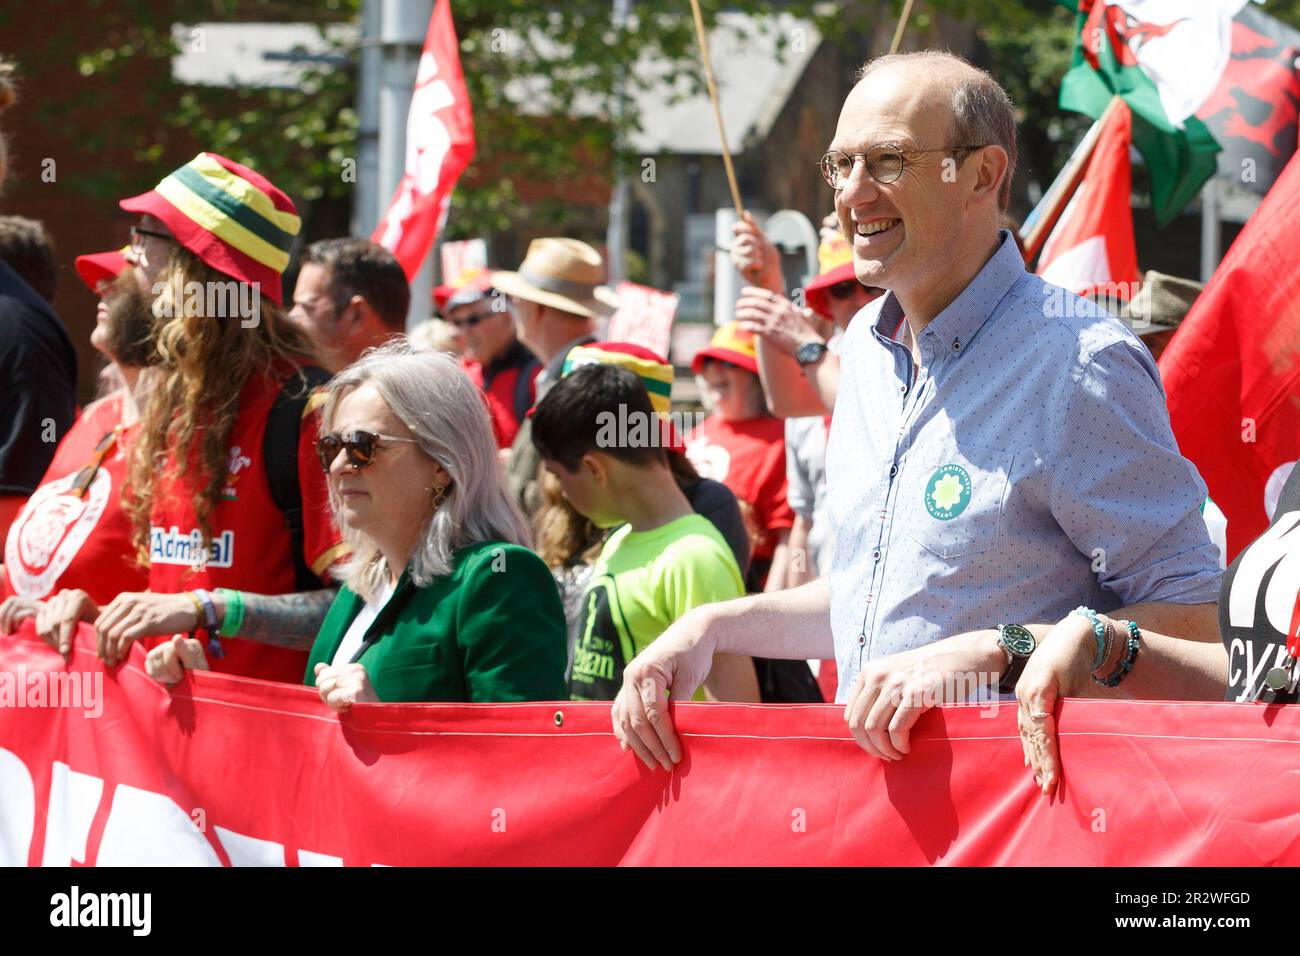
227 770
644 317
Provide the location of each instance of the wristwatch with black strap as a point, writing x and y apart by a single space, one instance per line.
1017 642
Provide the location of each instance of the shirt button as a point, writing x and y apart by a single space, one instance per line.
875 555
893 470
956 345
902 389
862 640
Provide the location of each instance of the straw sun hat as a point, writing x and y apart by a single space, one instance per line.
563 273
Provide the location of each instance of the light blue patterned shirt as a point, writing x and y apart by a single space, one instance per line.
1028 469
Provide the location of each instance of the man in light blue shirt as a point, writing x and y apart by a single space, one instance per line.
1000 452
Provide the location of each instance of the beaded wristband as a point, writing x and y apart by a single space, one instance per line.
1126 665
234 617
1098 632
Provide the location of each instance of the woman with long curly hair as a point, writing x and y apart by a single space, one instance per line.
224 489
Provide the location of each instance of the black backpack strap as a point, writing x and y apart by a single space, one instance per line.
524 400
280 453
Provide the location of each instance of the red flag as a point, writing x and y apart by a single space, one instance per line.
1232 370
439 145
1092 248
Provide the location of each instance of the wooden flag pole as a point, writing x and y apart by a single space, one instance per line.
717 109
902 25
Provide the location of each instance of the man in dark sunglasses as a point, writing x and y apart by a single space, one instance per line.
494 358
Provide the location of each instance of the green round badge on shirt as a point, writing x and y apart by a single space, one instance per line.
947 493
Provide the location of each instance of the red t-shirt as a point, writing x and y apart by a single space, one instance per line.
251 549
749 458
62 540
499 383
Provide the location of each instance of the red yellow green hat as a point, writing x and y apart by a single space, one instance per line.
231 217
729 344
655 373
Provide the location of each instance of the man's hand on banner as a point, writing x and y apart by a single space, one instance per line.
15 609
754 257
679 660
57 620
167 663
776 319
891 693
133 615
342 686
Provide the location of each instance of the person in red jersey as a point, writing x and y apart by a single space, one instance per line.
72 532
227 501
741 445
492 355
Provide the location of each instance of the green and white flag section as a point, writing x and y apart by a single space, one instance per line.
1164 58
110 768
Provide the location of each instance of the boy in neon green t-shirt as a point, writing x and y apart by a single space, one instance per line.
599 436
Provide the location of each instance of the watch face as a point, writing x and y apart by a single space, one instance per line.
1018 639
809 352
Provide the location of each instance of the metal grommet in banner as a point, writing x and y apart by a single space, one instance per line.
559 718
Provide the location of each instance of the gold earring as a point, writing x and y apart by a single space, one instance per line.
439 496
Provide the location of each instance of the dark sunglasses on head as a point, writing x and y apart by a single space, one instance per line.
359 446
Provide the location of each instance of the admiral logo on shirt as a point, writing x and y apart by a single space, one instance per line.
170 546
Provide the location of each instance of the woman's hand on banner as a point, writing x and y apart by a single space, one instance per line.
342 686
167 663
133 615
15 609
57 620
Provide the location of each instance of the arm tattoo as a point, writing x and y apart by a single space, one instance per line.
285 620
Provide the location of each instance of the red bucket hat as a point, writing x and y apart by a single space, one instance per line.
231 217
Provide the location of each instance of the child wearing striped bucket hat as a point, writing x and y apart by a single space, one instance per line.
233 396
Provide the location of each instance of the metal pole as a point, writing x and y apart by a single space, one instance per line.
616 235
366 208
403 25
1211 235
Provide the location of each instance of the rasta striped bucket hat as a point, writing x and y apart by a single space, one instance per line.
655 373
231 217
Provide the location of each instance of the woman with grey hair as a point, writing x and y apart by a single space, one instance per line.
442 599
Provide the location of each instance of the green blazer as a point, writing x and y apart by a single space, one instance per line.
490 631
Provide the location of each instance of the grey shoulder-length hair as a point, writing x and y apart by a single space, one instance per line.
435 399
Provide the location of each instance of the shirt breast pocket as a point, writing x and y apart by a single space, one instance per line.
954 500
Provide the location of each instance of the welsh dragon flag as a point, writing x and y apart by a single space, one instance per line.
1092 250
1164 58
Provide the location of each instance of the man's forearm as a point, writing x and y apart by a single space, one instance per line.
284 620
794 624
789 393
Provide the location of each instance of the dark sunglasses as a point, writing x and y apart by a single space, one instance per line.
472 321
846 289
86 476
359 446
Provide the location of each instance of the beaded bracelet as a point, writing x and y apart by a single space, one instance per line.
1098 632
1126 665
234 617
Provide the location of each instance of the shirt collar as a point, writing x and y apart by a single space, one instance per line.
956 325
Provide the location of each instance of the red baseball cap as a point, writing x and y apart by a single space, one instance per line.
97 267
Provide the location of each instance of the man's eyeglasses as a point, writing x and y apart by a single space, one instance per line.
884 163
137 234
359 446
86 476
